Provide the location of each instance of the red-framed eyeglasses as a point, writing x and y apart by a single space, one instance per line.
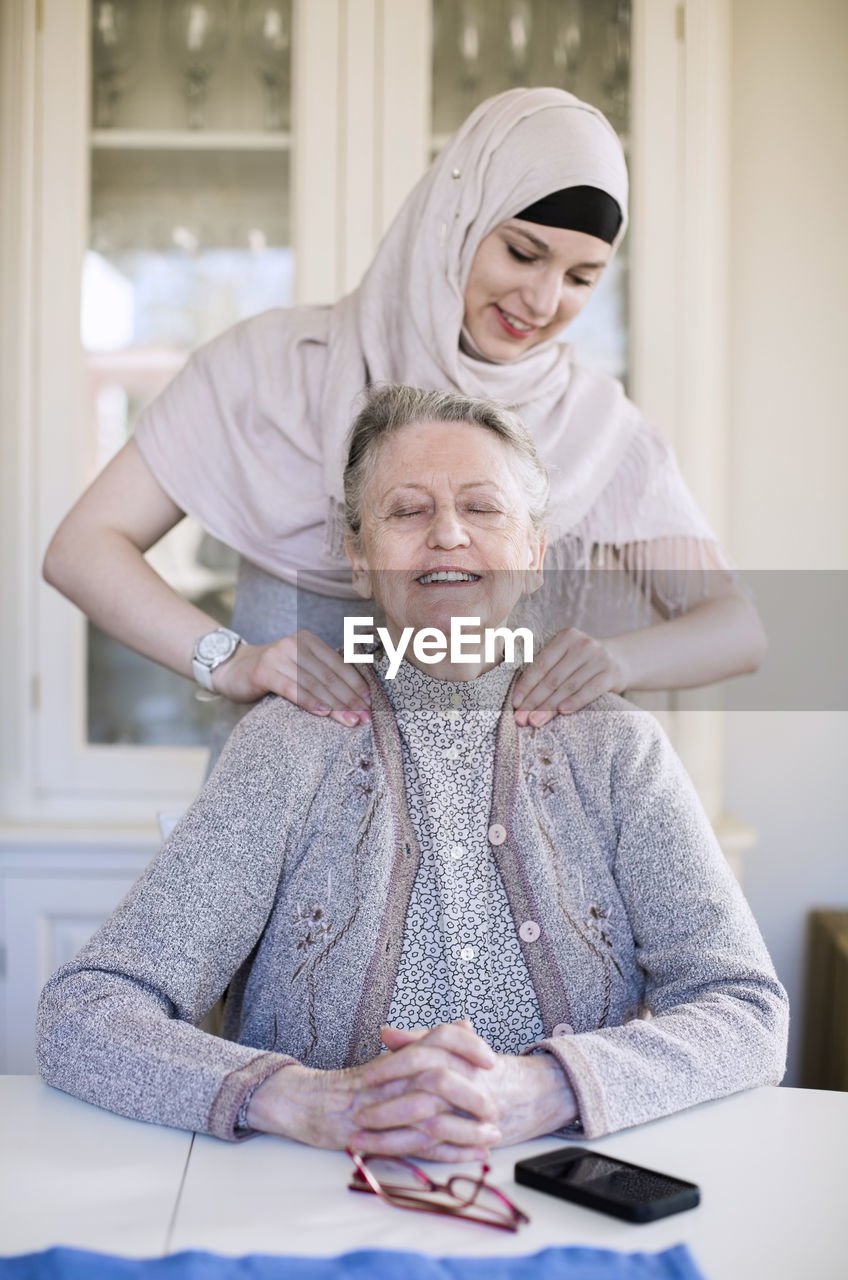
401 1183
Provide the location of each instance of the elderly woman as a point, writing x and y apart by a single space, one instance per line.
542 918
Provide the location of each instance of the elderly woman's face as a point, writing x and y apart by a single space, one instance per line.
446 529
527 283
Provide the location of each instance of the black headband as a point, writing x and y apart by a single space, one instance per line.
586 209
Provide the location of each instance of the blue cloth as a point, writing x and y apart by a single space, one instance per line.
574 1263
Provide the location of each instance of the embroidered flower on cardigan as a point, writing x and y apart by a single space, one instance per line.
361 776
540 759
596 925
314 928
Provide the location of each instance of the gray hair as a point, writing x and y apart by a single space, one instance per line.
389 407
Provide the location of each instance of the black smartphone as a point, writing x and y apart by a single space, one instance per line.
613 1186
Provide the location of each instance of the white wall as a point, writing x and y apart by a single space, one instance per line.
787 772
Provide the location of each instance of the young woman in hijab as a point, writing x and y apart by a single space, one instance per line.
495 251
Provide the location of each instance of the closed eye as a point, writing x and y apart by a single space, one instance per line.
582 282
518 255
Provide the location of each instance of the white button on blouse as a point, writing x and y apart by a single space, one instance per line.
497 833
529 931
467 953
457 851
452 753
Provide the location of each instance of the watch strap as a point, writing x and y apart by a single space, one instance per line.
202 674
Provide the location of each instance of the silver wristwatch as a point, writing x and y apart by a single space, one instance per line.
211 650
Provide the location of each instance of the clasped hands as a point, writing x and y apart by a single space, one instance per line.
439 1094
568 673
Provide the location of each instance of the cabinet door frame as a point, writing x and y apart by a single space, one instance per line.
18 668
49 768
679 302
73 776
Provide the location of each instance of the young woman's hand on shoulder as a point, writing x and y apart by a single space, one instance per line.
302 668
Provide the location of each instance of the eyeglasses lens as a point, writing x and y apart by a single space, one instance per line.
396 1175
468 1189
483 1200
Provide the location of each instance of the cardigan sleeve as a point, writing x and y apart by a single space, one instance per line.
716 1017
116 1025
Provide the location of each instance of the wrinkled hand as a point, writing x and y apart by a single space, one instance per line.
518 1097
301 668
570 672
432 1107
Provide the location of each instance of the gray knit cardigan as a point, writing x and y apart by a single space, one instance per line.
288 880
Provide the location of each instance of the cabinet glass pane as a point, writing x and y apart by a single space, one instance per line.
481 47
189 233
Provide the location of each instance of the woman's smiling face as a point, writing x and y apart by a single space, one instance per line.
526 283
446 529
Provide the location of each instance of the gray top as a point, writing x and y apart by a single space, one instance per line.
289 880
461 955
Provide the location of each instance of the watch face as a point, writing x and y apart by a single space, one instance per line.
214 645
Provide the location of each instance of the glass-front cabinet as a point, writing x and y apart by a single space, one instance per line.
178 223
198 161
189 231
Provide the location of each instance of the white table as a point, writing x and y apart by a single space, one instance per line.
770 1163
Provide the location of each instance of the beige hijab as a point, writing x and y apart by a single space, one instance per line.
250 436
403 323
